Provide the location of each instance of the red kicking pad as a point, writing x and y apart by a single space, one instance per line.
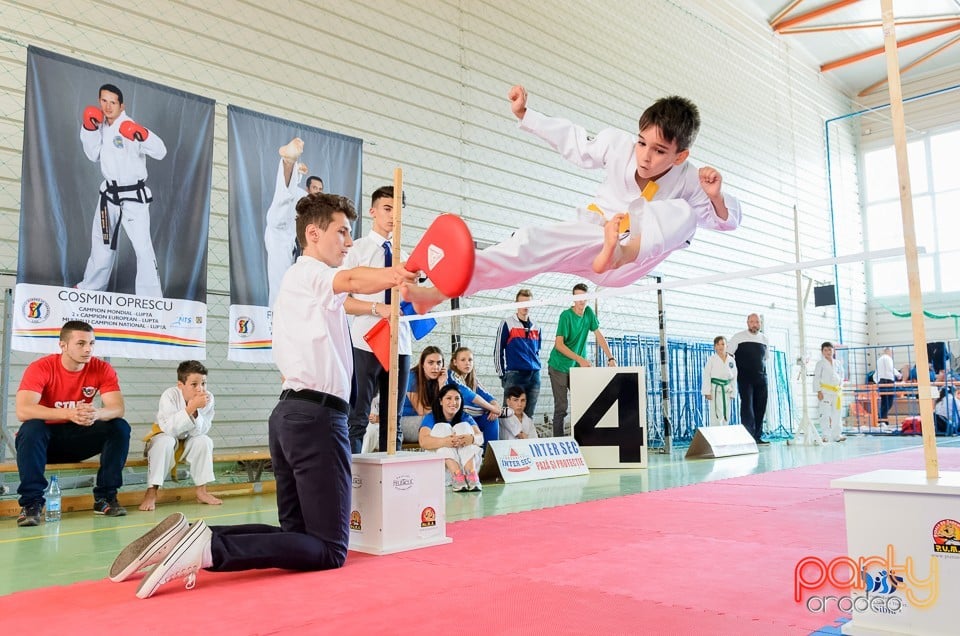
446 254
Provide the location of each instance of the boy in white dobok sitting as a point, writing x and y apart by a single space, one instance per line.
719 383
517 424
184 418
828 378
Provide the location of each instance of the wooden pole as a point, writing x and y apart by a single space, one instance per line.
910 243
810 435
393 389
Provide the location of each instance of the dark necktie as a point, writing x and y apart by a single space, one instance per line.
387 262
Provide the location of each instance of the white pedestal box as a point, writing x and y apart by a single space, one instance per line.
399 502
903 542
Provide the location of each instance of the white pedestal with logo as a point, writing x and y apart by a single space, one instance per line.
399 502
608 415
898 520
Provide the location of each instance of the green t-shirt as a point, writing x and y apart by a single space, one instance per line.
574 330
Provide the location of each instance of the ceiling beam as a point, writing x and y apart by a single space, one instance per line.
872 24
783 12
846 61
912 65
811 15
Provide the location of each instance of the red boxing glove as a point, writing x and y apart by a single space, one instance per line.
133 131
92 118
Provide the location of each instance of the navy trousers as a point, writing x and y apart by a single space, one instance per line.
753 406
39 443
372 377
310 451
529 381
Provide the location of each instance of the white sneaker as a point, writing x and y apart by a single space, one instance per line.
292 151
149 549
188 557
473 482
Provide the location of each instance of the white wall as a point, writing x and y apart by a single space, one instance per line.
424 84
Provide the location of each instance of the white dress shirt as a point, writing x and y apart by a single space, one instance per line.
368 252
311 339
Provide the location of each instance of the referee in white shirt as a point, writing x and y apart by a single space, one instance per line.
375 250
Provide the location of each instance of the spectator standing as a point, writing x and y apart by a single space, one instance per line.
749 348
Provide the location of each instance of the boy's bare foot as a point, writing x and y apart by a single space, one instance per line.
206 498
149 499
423 299
292 151
604 261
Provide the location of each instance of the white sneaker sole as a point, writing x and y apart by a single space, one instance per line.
150 548
178 564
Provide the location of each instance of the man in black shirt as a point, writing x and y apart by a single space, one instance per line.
749 349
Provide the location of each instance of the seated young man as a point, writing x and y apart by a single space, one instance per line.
60 423
184 418
518 425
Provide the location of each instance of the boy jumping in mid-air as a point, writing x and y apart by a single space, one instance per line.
648 180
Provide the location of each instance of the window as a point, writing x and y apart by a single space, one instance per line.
935 185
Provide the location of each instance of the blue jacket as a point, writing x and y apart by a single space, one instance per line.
517 347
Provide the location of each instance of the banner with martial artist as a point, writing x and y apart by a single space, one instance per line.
115 209
272 164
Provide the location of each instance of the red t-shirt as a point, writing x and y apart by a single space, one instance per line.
60 388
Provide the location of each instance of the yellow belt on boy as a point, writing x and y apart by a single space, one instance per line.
649 191
836 391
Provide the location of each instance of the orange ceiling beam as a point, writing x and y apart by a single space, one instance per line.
872 24
912 65
846 61
812 15
784 11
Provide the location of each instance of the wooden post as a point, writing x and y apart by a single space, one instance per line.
393 389
910 243
810 435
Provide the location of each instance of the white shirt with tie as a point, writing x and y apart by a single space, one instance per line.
368 252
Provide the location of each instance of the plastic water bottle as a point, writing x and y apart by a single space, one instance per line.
53 500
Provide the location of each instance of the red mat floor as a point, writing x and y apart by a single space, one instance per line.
713 558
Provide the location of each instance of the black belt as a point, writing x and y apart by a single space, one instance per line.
317 397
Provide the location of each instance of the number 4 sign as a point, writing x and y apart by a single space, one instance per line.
608 409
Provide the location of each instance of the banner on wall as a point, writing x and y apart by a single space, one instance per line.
264 190
115 208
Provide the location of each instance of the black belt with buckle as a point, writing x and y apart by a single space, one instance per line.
317 397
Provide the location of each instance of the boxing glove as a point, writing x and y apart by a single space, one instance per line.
134 131
92 118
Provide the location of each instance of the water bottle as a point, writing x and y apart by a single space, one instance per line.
53 500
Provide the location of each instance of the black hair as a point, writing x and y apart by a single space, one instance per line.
677 118
111 89
437 406
514 392
74 325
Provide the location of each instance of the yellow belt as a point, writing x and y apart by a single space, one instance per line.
177 454
648 193
835 390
